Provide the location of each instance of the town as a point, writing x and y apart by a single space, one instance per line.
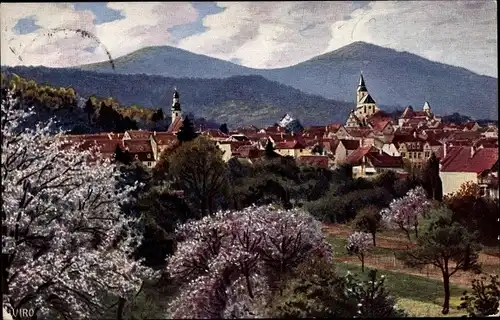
370 141
236 160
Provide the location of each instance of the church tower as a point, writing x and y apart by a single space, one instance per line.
176 107
365 105
361 92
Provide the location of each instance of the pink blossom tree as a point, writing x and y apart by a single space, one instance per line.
231 263
358 244
404 213
66 240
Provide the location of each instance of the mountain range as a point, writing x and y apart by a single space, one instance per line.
393 78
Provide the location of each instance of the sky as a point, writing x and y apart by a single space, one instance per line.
254 34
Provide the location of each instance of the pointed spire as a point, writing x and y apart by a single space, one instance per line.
361 85
427 106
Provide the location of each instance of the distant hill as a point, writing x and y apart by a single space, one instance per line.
393 78
237 100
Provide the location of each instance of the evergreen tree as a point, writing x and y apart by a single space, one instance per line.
123 157
223 128
430 179
89 109
186 132
269 151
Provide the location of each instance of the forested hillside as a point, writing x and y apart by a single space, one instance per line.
86 114
235 100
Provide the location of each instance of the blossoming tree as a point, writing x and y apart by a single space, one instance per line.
231 263
358 244
66 241
404 213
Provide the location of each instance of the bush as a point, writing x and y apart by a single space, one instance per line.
485 298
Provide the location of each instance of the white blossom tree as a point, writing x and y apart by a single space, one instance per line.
404 213
358 244
66 241
230 263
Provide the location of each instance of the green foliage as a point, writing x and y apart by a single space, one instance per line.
162 212
368 220
372 298
477 214
198 167
484 299
441 242
431 181
314 290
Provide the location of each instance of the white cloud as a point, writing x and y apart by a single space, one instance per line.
263 34
279 34
267 34
144 24
457 33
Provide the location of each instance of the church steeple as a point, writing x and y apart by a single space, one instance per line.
361 92
176 106
361 85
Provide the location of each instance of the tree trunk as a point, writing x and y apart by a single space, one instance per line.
446 283
416 231
121 306
362 257
249 285
373 237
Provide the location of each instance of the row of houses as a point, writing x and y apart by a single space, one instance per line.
370 141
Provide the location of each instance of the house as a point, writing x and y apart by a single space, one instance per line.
294 148
229 148
411 149
141 150
462 164
336 131
163 140
215 135
344 148
369 162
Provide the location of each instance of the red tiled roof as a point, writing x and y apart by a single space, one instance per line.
164 138
350 144
356 157
294 144
319 161
359 132
458 159
379 125
330 144
384 160
214 133
139 134
175 126
334 127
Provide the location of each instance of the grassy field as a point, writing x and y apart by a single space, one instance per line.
419 292
419 296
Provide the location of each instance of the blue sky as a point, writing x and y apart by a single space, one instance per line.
254 34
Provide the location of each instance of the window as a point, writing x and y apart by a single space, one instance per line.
301 150
136 156
427 154
403 154
149 155
410 155
419 155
